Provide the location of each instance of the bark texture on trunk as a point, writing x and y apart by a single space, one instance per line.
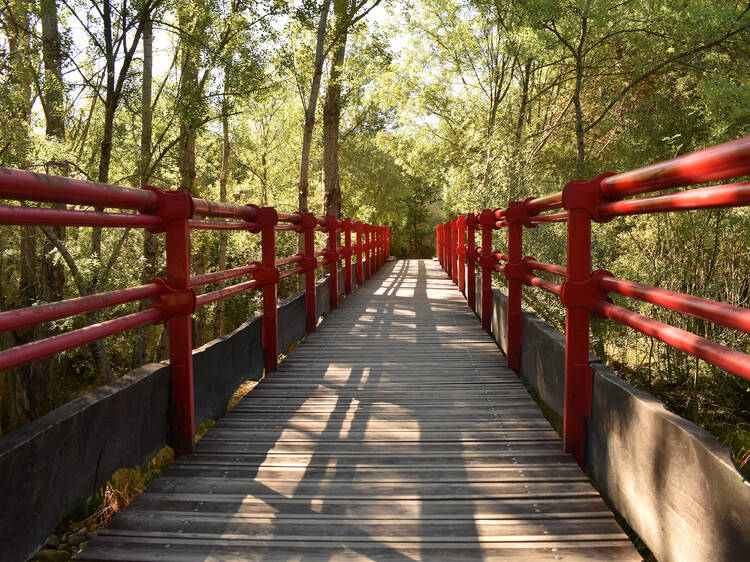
332 115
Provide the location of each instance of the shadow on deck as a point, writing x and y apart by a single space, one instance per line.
395 432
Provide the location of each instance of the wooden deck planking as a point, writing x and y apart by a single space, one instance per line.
395 432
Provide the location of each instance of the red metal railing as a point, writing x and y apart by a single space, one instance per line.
584 291
173 298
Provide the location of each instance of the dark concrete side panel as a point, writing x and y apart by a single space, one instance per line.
222 365
292 321
674 483
50 465
543 361
323 297
499 318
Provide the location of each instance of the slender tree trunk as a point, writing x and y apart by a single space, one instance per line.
332 115
223 178
304 167
303 186
150 241
580 131
53 83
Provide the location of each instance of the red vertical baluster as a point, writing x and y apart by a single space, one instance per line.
348 256
461 252
387 242
580 291
437 245
307 225
471 258
333 260
486 261
446 251
454 251
516 216
360 254
371 249
449 250
268 275
176 207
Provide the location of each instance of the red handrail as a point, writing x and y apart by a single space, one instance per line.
173 298
585 291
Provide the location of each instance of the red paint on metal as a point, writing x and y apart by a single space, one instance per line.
177 210
515 270
728 160
32 315
332 257
461 252
348 256
471 260
718 197
486 261
307 224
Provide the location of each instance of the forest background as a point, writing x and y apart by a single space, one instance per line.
400 112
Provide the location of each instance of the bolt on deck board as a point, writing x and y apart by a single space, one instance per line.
394 432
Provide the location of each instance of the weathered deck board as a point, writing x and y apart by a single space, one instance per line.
395 432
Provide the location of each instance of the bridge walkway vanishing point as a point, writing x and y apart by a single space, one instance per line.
394 432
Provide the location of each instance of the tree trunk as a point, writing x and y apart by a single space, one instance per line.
53 83
304 167
150 241
223 178
304 162
332 115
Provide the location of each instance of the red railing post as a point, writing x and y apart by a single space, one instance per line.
517 216
348 256
268 276
176 208
461 252
382 245
471 258
307 225
454 251
359 248
371 246
446 246
438 251
366 247
387 242
332 257
486 262
580 291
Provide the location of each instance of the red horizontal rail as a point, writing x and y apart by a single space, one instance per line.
292 227
27 186
499 256
552 217
219 294
716 354
719 313
208 278
203 208
554 269
43 216
725 161
200 224
292 259
546 203
294 271
717 197
33 351
548 286
31 315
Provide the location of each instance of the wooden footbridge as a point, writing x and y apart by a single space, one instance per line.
395 430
